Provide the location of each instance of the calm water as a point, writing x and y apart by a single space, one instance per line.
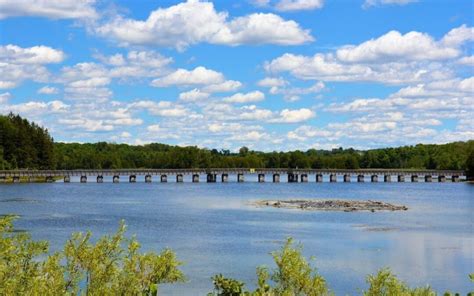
213 229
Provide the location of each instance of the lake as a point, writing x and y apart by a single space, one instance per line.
214 229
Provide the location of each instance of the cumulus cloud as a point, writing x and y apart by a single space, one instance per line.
197 21
48 90
370 3
249 97
294 116
391 59
4 97
18 64
53 9
272 82
193 95
226 86
183 77
295 5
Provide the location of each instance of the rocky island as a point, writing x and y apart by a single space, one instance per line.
332 205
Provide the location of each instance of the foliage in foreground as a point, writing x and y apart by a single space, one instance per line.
106 268
103 268
294 276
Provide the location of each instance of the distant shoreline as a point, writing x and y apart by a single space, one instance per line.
331 205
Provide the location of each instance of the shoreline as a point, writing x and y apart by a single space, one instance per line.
331 205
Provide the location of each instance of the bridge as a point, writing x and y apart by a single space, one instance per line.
239 175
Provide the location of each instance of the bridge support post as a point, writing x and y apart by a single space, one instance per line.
414 178
401 178
164 178
333 178
224 178
83 179
211 178
347 178
49 179
240 178
116 179
148 179
374 178
179 178
387 178
67 179
360 178
441 179
100 179
292 178
16 179
132 179
276 178
319 178
455 179
195 178
428 178
304 178
261 178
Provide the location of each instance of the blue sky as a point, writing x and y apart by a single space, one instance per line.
267 74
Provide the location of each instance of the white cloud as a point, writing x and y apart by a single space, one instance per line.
370 3
193 95
196 21
226 86
251 136
295 5
48 90
183 77
294 116
249 97
86 82
293 93
35 108
18 64
272 81
155 128
394 46
468 61
391 59
54 9
4 97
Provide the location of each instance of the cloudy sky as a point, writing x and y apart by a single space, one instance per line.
268 74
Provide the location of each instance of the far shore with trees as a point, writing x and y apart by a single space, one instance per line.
25 145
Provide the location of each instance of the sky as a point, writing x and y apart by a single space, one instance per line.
266 74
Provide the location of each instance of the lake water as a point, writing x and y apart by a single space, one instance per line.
214 229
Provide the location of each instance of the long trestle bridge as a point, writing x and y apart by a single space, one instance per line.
238 175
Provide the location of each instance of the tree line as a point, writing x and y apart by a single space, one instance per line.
26 145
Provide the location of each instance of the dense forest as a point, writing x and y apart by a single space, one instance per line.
27 145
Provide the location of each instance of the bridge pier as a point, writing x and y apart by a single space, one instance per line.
401 178
332 178
360 178
347 178
67 179
211 178
304 178
276 178
240 178
83 179
148 179
441 179
224 178
414 178
132 179
16 179
116 179
163 178
374 178
179 178
428 178
455 179
319 178
387 178
292 178
195 178
261 178
49 179
100 179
